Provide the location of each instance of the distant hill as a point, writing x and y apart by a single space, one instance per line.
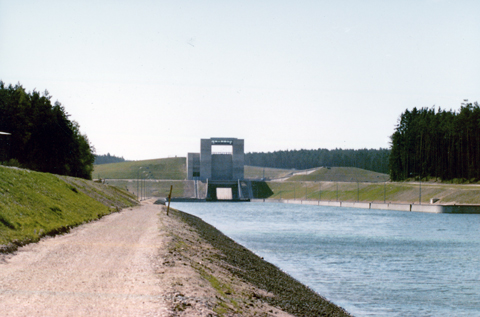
376 160
339 174
166 168
256 172
174 168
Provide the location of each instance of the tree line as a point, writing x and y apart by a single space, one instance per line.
42 136
376 160
437 143
107 158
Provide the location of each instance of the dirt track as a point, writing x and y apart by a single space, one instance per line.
105 268
140 262
125 264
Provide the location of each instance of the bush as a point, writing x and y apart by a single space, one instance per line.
12 163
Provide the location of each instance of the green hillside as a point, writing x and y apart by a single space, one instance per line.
339 174
170 168
396 192
175 169
166 168
266 172
156 188
35 204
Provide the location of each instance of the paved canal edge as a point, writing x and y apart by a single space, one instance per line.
430 208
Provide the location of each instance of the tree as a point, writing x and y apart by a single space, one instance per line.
42 136
441 144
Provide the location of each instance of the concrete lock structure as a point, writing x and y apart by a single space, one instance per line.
223 172
217 166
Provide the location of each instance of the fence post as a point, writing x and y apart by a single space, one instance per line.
169 198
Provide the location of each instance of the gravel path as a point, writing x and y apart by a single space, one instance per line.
104 268
140 262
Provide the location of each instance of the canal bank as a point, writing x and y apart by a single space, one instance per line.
246 284
432 208
371 262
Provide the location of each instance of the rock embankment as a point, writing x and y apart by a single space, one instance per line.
245 279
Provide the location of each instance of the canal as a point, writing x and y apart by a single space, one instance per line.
370 262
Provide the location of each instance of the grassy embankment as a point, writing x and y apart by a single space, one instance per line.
353 183
255 172
336 184
157 175
173 168
339 174
33 205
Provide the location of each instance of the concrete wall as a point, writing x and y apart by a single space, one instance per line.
222 167
355 205
219 166
454 209
193 165
238 158
389 206
205 159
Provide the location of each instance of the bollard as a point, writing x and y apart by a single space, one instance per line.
169 198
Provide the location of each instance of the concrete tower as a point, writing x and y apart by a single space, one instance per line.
217 166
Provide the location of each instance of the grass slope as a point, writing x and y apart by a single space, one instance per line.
340 174
34 204
266 172
353 184
157 188
171 168
166 168
175 169
402 192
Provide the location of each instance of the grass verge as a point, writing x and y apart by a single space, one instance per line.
340 174
33 205
266 172
401 192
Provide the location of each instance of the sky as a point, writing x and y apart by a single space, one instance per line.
149 79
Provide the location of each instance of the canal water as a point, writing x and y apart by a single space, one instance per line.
370 262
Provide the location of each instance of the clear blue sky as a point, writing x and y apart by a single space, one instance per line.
148 79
